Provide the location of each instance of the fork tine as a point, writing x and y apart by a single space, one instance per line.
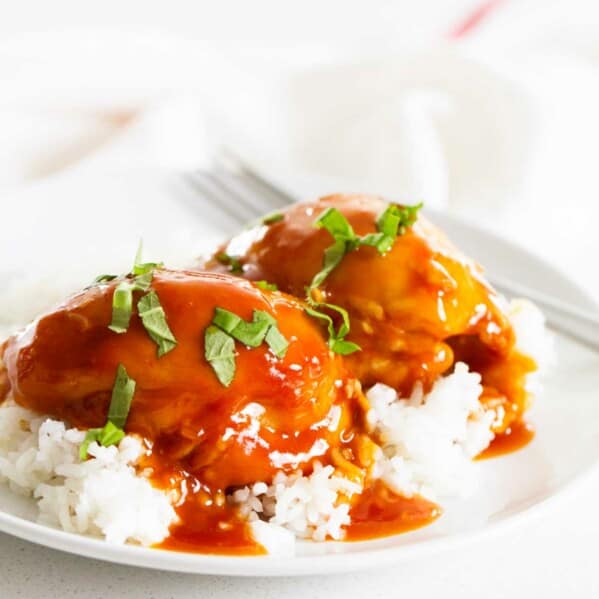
214 194
237 190
244 189
230 160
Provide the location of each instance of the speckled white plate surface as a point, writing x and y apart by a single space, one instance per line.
512 488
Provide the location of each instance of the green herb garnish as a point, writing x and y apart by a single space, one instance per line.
251 333
266 285
391 223
143 271
337 341
109 435
396 219
122 298
332 257
147 267
219 351
122 303
153 318
104 278
235 266
274 217
220 354
277 342
120 404
122 395
274 338
336 224
142 268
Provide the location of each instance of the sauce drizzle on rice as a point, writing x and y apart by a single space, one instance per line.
379 512
218 531
517 436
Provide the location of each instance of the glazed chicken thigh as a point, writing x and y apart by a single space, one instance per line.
64 365
414 310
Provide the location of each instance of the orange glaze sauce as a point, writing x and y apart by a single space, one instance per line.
213 531
206 522
516 436
379 512
503 378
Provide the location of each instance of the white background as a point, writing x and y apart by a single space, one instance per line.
510 142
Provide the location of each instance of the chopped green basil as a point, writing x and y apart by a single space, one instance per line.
396 219
122 396
122 298
336 224
274 338
112 432
138 254
252 333
272 218
142 268
153 318
332 257
388 222
122 303
227 327
145 268
337 341
91 435
383 243
143 280
343 347
226 320
249 333
261 315
392 222
104 278
219 351
266 285
277 343
235 266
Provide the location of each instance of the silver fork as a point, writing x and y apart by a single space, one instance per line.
241 194
237 191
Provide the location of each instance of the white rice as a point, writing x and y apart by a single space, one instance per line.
313 507
102 496
427 442
532 339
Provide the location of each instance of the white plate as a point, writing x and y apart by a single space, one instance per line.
512 488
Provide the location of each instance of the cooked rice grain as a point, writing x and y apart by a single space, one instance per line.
102 496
